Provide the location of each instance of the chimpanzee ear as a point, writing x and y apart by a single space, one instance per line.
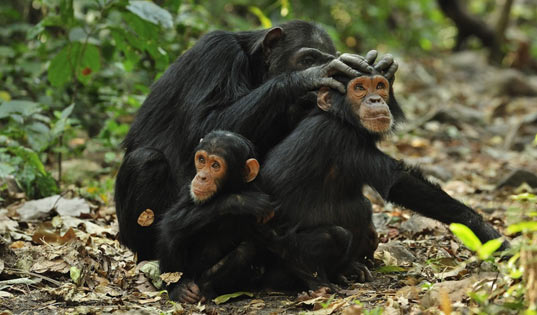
271 38
323 99
252 169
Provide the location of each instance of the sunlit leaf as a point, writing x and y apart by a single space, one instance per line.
226 297
265 21
75 274
526 226
390 269
489 248
467 236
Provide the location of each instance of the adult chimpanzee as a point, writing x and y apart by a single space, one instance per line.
209 233
317 173
257 83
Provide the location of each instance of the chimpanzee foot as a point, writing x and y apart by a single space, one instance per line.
311 294
187 292
361 272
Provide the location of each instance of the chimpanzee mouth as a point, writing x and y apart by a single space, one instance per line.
379 117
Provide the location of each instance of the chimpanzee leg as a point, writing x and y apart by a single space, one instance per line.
236 271
314 257
365 243
144 181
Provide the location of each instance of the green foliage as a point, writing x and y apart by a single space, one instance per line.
470 240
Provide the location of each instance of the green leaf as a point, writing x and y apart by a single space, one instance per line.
60 68
390 269
226 297
75 274
265 21
23 108
489 248
30 157
151 12
90 59
39 136
86 59
174 5
467 237
526 226
6 169
67 12
61 124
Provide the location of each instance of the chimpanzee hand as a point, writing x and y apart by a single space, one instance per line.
250 202
387 66
318 76
186 291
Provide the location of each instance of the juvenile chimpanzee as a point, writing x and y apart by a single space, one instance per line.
257 83
210 233
317 174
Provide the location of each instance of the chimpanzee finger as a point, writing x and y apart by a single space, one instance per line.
367 274
187 296
332 83
337 65
371 56
384 63
357 62
361 277
391 70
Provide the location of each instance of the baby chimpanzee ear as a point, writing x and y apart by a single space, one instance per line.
252 169
323 99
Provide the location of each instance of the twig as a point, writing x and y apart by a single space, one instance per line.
33 274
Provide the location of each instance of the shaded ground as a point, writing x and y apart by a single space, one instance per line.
469 126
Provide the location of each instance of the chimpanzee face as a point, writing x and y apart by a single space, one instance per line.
367 98
210 174
224 163
296 46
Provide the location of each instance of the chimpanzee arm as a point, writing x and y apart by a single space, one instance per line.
254 113
412 190
406 186
253 203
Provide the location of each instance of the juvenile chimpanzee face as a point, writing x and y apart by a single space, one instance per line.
224 163
368 97
210 174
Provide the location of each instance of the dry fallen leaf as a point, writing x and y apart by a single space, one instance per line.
46 233
17 245
146 218
171 277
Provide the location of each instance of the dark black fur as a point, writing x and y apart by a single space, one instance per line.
226 81
317 174
214 243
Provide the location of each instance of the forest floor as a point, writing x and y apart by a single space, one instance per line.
470 126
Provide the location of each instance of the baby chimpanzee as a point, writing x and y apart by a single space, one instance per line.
210 233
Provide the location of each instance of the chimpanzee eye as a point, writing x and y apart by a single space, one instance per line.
215 165
381 86
359 87
307 61
201 159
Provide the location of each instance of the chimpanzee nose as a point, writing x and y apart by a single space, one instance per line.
374 99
